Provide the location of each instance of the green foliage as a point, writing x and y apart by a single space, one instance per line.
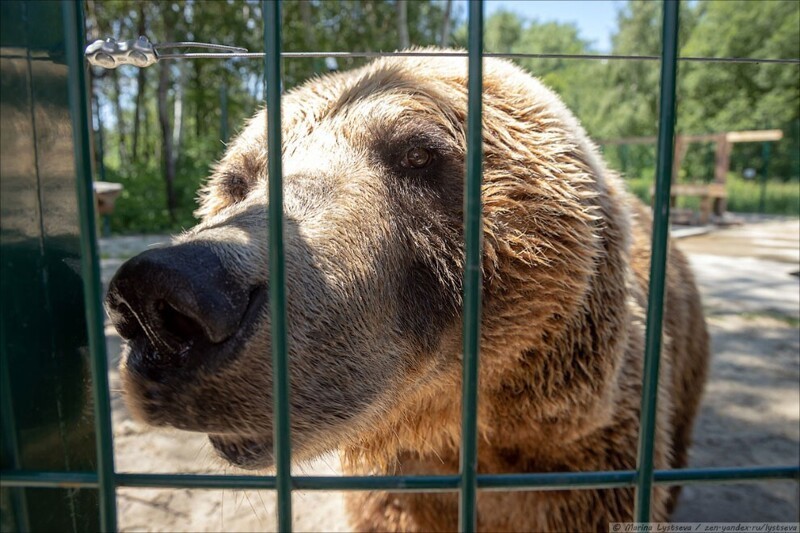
729 97
572 79
614 99
142 205
619 99
744 196
503 32
640 187
780 199
196 87
354 26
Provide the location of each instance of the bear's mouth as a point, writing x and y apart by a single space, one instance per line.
163 391
244 452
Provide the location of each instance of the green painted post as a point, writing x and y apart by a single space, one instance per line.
472 273
625 158
223 112
658 261
277 278
100 155
90 261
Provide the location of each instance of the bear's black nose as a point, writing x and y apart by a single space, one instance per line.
175 297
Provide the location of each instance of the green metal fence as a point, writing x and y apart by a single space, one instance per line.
467 482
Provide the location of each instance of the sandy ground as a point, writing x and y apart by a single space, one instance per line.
750 414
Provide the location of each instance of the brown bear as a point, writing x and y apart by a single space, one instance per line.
373 163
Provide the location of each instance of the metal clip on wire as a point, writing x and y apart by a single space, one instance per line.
109 53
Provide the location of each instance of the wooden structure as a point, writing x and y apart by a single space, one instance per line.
712 195
105 194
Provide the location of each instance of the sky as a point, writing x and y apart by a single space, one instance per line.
595 19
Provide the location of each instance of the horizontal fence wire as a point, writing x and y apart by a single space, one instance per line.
376 55
490 482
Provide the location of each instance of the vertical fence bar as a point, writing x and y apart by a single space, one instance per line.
658 261
90 262
10 442
277 278
472 273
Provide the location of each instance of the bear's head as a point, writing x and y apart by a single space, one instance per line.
373 170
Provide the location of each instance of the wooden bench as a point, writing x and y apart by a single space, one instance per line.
712 197
105 194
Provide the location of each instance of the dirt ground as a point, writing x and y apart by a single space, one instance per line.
748 275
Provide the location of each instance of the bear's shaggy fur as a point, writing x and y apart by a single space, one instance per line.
374 254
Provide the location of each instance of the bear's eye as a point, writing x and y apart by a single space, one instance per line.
417 157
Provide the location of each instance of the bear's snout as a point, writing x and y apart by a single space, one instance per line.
176 305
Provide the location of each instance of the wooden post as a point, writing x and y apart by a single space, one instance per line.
721 166
677 158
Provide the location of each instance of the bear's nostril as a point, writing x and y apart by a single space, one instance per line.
175 302
124 319
177 324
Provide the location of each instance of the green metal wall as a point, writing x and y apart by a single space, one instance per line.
47 410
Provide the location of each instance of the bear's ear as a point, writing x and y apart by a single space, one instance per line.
231 179
212 197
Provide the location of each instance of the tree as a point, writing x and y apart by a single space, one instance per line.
737 96
177 109
168 159
141 85
508 33
402 24
444 38
502 34
165 117
356 25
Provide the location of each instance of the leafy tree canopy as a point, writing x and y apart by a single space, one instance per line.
195 103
